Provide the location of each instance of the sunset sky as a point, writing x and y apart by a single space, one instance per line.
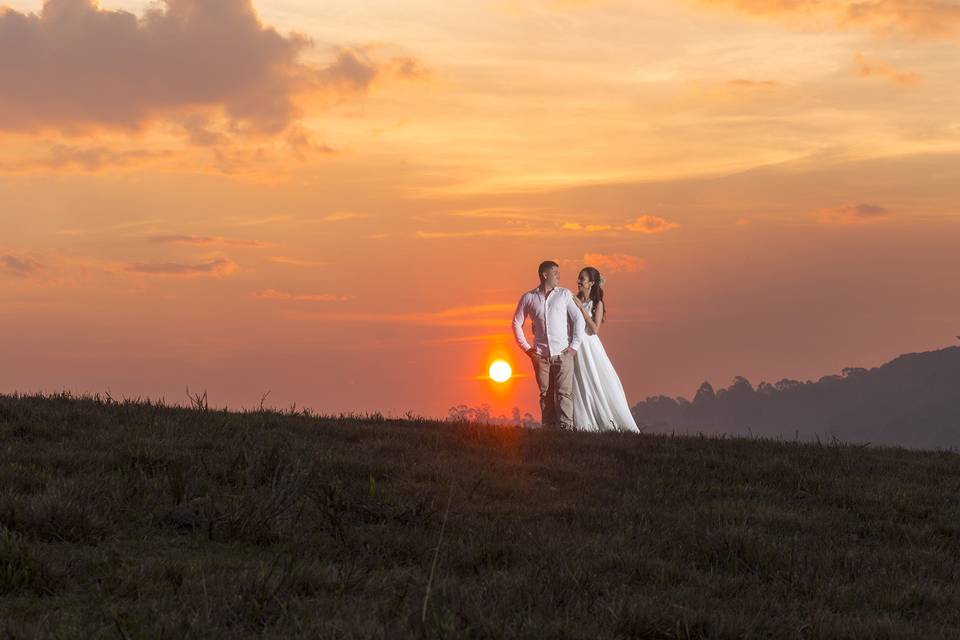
340 202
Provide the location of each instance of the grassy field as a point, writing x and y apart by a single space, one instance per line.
135 520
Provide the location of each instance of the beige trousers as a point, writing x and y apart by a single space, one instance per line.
555 379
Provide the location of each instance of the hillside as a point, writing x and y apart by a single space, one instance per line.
130 520
913 401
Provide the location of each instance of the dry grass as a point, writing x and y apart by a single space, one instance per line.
131 520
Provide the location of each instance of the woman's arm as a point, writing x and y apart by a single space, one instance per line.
590 322
598 316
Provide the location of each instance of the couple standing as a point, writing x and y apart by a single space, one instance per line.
579 388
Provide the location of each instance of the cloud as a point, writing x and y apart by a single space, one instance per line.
476 233
74 67
651 224
20 267
508 213
485 337
217 267
643 224
301 142
408 67
913 18
237 221
487 315
885 70
297 262
518 8
273 294
208 240
340 216
576 226
84 158
851 214
614 263
753 84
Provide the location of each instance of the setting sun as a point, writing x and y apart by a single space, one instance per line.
500 371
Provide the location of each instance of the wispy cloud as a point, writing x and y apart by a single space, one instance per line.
753 84
851 214
273 294
178 238
20 266
614 263
489 315
518 213
651 224
83 158
914 18
297 262
238 221
217 267
340 216
484 337
475 233
576 226
643 224
884 70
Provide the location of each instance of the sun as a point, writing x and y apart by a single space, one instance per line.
500 371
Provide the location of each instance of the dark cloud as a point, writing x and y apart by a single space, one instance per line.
74 67
220 266
96 157
83 158
20 267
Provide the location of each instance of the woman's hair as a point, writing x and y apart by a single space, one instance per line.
596 291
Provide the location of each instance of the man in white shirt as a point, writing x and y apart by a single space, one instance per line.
558 328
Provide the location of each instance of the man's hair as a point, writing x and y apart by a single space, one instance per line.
546 264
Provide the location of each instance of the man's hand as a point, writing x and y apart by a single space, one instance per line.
532 352
569 350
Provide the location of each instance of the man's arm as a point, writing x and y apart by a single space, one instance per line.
573 312
518 317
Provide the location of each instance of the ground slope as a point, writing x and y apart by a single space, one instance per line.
130 520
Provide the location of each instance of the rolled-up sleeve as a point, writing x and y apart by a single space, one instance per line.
579 324
518 317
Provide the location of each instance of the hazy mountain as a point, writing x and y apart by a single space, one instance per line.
913 400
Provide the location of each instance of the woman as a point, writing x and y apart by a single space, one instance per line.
599 403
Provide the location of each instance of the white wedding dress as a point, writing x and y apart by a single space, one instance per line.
599 403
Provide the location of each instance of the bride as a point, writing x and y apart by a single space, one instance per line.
599 403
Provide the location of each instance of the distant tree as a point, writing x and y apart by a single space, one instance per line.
909 401
766 389
705 394
787 384
482 415
850 372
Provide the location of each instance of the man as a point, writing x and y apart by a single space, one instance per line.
558 328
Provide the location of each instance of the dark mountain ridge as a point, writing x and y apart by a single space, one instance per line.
913 401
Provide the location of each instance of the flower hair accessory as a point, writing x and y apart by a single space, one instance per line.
600 281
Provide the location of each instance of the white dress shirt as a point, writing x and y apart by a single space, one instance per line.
551 316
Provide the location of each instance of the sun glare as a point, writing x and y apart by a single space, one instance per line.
500 371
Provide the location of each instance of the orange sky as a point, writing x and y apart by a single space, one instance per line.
341 202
